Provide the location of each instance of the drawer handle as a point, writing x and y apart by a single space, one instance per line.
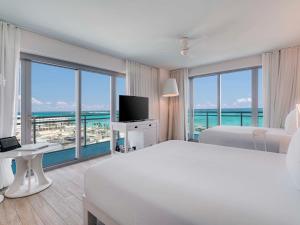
136 127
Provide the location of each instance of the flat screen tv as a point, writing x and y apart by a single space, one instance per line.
133 108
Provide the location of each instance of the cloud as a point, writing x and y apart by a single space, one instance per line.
244 100
206 105
61 103
95 107
35 101
238 103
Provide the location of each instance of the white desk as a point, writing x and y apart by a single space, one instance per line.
148 130
27 161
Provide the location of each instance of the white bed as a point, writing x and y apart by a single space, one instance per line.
178 183
277 140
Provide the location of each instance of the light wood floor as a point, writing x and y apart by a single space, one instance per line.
61 204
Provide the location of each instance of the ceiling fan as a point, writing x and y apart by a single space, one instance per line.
188 44
184 46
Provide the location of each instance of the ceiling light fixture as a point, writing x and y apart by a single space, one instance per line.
184 46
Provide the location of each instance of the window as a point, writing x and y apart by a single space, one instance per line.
120 90
205 103
69 104
260 99
229 98
18 125
236 98
53 110
95 114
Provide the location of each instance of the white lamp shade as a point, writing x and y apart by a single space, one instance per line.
170 88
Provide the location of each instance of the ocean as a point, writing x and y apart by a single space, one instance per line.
203 118
90 118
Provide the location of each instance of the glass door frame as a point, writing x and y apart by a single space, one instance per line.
26 96
254 96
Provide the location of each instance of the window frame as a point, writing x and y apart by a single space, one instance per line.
26 61
254 95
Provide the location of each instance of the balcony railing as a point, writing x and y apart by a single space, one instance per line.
95 128
205 119
95 134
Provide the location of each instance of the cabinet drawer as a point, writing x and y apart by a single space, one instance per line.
150 125
136 126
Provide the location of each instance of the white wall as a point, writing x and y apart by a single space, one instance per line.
245 62
40 45
164 105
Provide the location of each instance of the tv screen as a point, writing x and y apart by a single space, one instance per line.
132 108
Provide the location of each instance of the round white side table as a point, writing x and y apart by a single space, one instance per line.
29 178
6 174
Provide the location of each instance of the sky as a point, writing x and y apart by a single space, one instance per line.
53 89
235 90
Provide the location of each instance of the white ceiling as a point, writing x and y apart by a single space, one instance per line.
149 30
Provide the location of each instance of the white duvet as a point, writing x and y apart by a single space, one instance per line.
177 183
277 140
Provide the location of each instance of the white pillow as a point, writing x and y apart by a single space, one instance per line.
290 125
293 159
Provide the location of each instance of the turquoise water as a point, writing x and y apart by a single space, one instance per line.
203 118
241 117
91 118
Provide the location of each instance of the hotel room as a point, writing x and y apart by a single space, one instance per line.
150 112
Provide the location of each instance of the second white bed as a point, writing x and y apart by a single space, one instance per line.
277 140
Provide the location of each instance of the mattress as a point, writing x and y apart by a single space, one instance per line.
277 140
178 183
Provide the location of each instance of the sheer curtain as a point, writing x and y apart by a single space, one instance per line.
142 80
9 82
281 84
178 107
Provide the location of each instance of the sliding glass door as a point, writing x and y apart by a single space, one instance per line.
53 110
120 90
95 114
228 98
205 100
68 104
236 98
260 121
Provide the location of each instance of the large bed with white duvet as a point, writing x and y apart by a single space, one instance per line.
178 183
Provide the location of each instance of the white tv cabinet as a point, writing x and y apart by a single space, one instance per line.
139 134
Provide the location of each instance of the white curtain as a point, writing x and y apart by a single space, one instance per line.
178 107
142 80
9 83
281 85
